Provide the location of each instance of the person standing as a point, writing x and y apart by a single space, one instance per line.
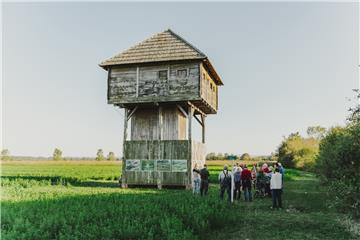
196 179
276 186
204 184
246 183
253 176
225 183
237 181
267 174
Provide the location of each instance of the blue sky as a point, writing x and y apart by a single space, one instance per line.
285 66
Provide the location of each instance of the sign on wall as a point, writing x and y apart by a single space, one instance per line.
147 165
133 165
179 166
163 165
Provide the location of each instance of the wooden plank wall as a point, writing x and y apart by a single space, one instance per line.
209 90
145 124
142 83
198 154
153 151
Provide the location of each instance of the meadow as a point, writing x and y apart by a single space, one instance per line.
82 200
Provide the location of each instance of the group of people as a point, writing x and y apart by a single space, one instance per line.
266 181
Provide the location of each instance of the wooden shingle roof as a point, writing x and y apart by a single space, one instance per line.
164 46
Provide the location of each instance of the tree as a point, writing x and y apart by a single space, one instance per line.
57 155
5 155
338 164
355 110
219 156
111 156
245 157
298 152
211 156
316 132
100 155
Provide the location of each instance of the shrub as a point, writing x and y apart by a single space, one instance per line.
245 157
338 163
298 152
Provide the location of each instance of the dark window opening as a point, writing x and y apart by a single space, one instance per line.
182 73
163 75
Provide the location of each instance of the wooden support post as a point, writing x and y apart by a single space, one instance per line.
108 84
160 124
123 175
137 81
203 128
190 114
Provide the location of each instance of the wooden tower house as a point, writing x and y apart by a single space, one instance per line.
162 84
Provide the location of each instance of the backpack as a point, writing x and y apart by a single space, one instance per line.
226 182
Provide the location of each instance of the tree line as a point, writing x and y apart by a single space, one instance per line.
58 156
242 157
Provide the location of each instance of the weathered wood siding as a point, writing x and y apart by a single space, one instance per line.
208 89
141 84
161 162
145 124
122 82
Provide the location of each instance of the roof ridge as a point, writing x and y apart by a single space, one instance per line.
189 44
161 43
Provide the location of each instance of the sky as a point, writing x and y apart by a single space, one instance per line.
285 66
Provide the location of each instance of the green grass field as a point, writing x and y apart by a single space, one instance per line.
81 200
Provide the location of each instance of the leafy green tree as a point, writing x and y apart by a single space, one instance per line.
57 155
316 132
211 156
219 156
298 152
338 163
354 117
111 156
245 157
100 155
5 155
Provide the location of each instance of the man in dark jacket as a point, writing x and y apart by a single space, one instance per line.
246 183
204 185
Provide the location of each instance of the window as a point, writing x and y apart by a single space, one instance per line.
163 75
182 73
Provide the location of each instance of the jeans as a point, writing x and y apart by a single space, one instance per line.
222 191
196 188
237 190
204 186
247 189
276 198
